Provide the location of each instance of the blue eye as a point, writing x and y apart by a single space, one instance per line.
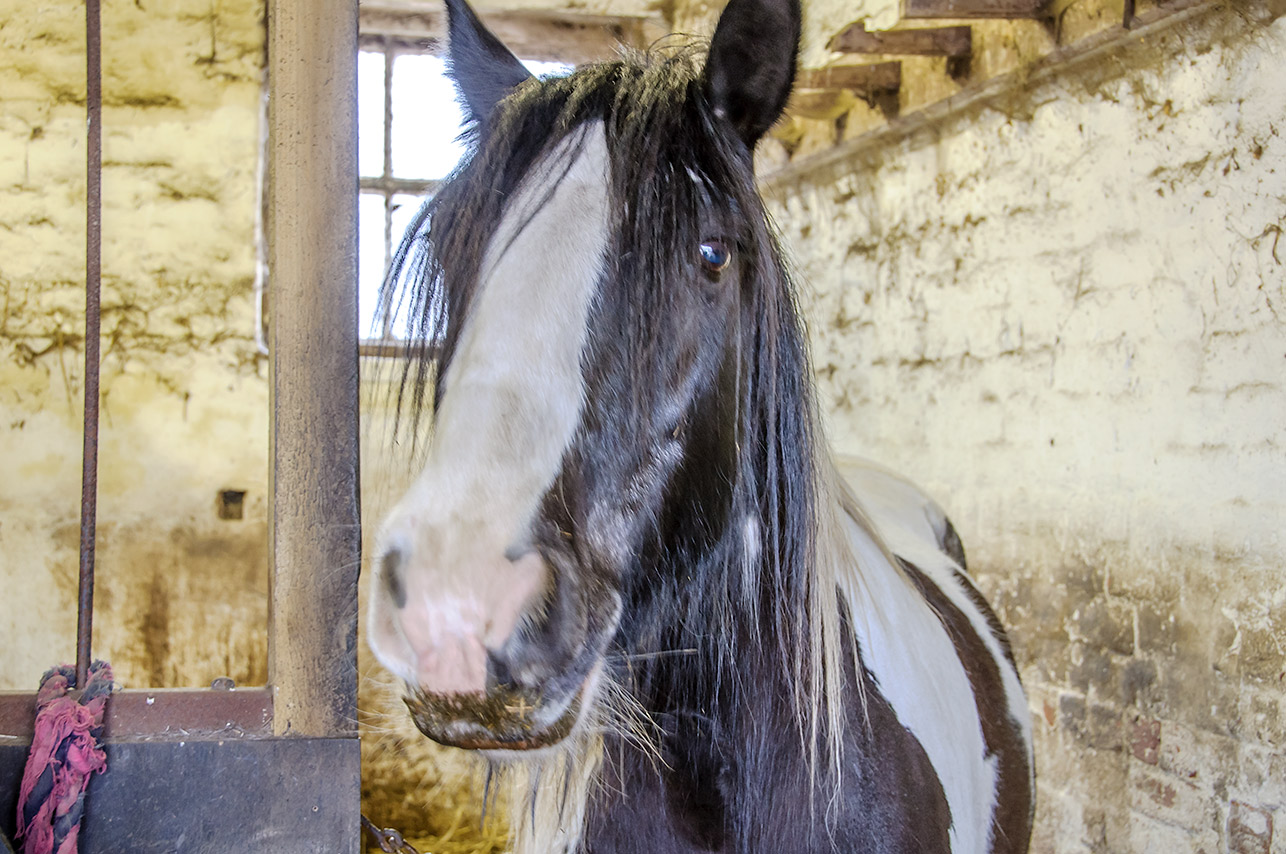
715 256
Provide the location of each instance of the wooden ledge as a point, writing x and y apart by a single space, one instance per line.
163 714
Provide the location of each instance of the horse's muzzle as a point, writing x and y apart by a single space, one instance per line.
503 719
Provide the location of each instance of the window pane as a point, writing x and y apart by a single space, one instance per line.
370 261
370 114
426 118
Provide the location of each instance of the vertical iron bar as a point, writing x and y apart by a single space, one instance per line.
93 283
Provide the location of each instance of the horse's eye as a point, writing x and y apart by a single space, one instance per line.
715 256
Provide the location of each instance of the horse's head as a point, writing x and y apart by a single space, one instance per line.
613 328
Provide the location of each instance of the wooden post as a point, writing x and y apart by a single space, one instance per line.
311 221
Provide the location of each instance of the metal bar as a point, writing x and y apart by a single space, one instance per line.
93 326
952 42
159 714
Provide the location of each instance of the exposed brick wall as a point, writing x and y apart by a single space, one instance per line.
181 593
1062 311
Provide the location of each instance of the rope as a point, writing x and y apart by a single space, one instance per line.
64 753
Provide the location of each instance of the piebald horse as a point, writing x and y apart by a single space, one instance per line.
629 573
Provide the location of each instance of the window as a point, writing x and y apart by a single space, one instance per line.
408 128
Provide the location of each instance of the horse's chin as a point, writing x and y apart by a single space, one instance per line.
502 724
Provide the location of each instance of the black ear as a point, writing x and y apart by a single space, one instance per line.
483 68
751 68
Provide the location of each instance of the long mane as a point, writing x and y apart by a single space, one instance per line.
763 593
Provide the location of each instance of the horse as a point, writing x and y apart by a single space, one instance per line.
629 573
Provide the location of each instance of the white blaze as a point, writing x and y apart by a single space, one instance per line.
512 403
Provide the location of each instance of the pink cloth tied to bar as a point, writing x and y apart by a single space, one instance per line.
64 753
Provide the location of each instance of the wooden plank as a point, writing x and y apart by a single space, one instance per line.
311 225
951 42
547 35
822 104
975 9
866 80
173 713
295 796
1103 46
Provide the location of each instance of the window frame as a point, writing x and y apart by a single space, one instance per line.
386 185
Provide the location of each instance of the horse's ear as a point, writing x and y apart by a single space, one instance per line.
482 67
751 68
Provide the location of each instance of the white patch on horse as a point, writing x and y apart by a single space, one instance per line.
912 525
918 671
512 403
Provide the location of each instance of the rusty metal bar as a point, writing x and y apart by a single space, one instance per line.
93 325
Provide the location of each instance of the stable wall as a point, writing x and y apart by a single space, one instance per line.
1060 308
181 592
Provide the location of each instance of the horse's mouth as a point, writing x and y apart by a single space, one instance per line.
502 720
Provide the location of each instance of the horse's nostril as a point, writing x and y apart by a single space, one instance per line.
391 576
498 671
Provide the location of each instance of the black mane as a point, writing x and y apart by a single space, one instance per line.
671 158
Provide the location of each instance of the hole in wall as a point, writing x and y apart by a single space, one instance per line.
231 503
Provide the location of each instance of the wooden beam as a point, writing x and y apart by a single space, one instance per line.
975 9
951 42
530 34
1019 86
866 80
159 713
311 225
821 104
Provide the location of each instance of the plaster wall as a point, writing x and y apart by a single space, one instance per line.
181 593
1061 309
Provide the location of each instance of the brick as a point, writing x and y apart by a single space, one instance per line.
1137 676
1108 624
1103 728
1093 672
1167 798
1250 829
1071 715
1149 836
1196 755
1145 740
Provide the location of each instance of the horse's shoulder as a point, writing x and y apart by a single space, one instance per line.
902 513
